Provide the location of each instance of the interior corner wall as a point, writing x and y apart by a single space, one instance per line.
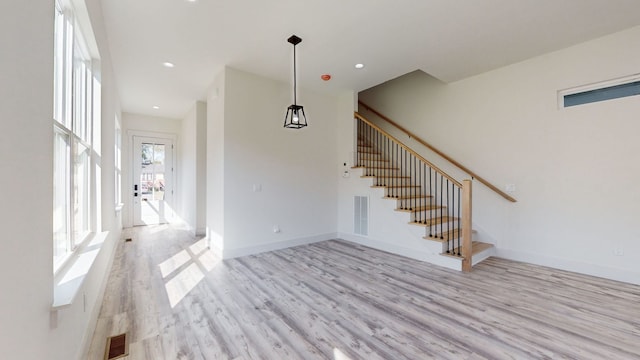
215 196
346 139
280 185
192 173
201 168
186 174
150 124
574 168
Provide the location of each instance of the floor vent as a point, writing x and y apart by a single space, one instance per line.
127 240
117 347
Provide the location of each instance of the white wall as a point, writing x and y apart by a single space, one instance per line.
29 328
192 174
574 169
135 123
296 171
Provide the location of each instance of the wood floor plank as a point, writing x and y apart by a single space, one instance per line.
177 300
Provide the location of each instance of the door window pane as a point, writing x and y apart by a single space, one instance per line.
152 174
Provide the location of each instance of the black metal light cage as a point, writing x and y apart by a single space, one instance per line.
295 117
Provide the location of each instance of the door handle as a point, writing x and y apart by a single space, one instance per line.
135 187
135 194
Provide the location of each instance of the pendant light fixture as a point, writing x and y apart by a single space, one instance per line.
295 119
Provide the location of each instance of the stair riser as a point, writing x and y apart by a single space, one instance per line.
381 172
374 162
415 205
366 156
406 203
402 191
435 229
379 180
427 214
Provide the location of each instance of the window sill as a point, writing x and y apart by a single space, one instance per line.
69 280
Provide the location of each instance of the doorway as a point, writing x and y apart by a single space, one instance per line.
153 180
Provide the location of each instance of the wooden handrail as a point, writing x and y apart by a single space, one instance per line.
408 149
443 155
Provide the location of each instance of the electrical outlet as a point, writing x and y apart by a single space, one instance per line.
510 188
618 251
276 229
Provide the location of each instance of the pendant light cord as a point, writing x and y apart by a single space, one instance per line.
295 91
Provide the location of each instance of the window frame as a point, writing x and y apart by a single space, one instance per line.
601 85
73 118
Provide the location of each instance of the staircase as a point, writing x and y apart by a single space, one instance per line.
432 200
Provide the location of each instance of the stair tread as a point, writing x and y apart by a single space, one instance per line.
447 235
434 221
385 177
421 208
379 167
395 186
408 197
476 248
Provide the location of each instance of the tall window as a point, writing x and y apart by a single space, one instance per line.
72 122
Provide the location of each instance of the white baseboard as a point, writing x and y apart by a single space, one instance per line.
627 276
256 249
436 259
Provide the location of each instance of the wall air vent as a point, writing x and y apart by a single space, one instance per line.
361 215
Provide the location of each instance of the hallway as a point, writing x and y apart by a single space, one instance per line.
336 300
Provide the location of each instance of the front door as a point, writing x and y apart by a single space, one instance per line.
152 180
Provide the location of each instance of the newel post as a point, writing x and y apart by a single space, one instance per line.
466 225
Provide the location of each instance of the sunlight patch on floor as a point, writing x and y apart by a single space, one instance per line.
339 355
178 287
199 247
173 263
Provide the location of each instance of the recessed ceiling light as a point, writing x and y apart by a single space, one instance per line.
359 66
156 107
168 64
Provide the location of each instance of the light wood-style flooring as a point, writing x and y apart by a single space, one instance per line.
337 300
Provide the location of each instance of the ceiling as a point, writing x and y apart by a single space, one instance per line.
448 39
